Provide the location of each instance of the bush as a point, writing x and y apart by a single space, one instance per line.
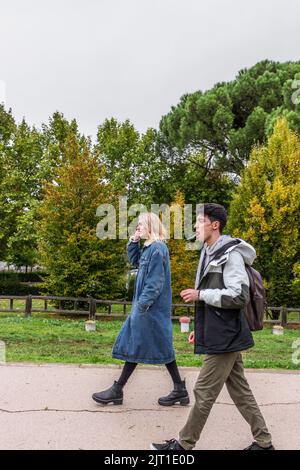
21 277
16 288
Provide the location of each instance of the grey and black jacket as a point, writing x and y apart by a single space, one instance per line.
220 323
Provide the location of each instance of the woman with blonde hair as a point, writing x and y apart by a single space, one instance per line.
146 336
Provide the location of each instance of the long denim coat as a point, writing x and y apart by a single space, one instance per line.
146 335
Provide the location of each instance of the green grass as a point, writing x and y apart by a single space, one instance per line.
42 338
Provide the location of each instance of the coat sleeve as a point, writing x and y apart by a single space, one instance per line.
134 252
236 281
154 281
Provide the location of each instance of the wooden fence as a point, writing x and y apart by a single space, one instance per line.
89 307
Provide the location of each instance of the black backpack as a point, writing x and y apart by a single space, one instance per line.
257 307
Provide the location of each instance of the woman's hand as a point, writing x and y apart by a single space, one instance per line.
137 235
191 339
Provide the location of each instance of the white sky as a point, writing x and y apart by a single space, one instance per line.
94 59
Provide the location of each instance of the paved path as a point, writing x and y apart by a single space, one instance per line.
49 407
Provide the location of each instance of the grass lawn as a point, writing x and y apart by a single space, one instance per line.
43 338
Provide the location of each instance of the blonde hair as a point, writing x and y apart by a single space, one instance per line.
156 229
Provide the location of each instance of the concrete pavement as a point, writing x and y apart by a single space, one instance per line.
49 406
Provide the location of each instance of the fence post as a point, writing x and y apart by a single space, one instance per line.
283 316
28 306
92 311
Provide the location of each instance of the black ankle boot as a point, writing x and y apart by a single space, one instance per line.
114 395
179 394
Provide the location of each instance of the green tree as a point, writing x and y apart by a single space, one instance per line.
134 165
142 168
55 136
196 185
7 130
20 186
28 158
266 212
77 261
7 127
225 122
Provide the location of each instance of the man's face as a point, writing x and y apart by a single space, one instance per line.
205 228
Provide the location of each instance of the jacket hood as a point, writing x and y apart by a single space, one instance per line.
245 249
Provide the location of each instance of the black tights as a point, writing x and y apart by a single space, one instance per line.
130 366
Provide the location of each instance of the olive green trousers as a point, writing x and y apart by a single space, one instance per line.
217 370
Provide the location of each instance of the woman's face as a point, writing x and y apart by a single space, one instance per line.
142 230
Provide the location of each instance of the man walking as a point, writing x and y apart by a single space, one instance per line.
221 330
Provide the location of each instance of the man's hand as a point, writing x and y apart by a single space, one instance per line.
190 295
191 339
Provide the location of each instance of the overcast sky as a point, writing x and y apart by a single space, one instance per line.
94 59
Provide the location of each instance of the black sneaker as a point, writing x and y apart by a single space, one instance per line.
172 444
255 446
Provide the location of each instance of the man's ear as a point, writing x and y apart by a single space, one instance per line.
216 225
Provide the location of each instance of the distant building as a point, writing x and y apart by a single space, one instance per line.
11 267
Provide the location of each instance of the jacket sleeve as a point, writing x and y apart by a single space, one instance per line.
236 281
154 281
134 252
